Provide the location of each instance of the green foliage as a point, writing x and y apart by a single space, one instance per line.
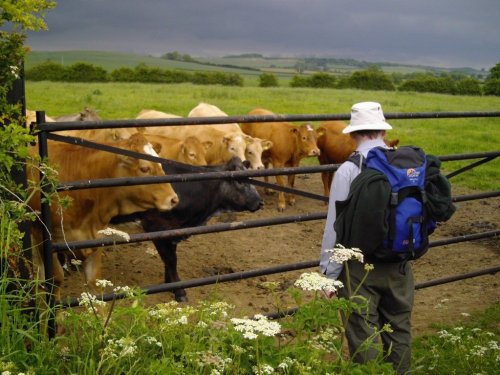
268 80
316 80
468 86
84 72
177 56
471 347
444 84
25 15
369 79
492 84
47 71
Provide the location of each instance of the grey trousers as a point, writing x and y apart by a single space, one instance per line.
389 289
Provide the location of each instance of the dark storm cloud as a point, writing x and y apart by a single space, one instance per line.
444 32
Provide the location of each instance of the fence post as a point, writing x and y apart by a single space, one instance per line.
46 230
16 96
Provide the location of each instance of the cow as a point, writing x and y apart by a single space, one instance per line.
225 145
188 151
31 118
199 201
290 145
336 147
87 114
254 147
91 210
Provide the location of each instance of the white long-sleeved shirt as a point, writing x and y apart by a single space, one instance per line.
339 191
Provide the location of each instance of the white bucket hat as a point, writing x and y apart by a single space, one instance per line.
367 116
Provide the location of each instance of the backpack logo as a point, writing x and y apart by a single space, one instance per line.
412 174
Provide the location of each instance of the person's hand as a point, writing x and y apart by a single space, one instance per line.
330 294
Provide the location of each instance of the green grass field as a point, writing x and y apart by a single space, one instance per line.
440 136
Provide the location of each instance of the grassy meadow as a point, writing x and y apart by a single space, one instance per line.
437 136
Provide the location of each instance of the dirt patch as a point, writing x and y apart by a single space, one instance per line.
208 255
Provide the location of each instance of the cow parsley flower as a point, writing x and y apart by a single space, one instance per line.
115 233
341 254
264 369
88 300
76 262
101 283
153 341
128 291
369 267
124 347
313 281
465 314
251 328
151 251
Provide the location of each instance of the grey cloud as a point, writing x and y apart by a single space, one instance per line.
445 32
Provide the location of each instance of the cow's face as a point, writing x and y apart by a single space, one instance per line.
89 114
239 196
235 144
193 152
254 150
307 138
143 197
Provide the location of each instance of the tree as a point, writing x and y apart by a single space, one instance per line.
372 78
268 80
492 84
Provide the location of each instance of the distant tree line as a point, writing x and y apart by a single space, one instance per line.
374 78
84 72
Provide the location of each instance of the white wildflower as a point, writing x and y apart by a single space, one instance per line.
101 283
128 291
76 262
115 233
14 70
215 372
6 373
465 314
444 300
238 349
369 267
251 328
438 306
88 300
313 281
491 334
478 350
493 345
183 320
458 329
476 330
264 369
153 341
202 324
342 254
151 251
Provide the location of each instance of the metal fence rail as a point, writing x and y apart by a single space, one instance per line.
45 133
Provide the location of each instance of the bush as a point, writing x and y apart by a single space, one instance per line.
430 83
268 80
122 75
370 79
46 71
317 80
84 72
492 87
468 86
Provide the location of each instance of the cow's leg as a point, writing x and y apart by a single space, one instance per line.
168 253
92 268
268 191
291 183
326 188
280 180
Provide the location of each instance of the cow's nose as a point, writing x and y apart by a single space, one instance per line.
260 167
174 200
261 204
314 152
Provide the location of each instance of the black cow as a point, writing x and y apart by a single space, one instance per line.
198 202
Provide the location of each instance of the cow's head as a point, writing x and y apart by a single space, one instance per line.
306 140
193 152
254 150
88 114
391 142
236 195
235 144
143 197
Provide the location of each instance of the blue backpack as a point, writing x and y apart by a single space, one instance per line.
409 225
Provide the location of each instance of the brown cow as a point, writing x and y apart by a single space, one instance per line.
336 147
290 145
92 209
189 151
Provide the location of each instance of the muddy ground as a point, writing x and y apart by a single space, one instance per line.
241 250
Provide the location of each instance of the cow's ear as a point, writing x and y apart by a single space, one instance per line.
156 146
248 140
320 131
294 130
207 145
266 145
126 161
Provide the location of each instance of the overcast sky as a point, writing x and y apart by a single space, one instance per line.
450 33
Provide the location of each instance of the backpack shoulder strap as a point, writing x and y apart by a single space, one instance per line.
358 159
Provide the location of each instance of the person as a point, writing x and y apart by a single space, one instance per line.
389 287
